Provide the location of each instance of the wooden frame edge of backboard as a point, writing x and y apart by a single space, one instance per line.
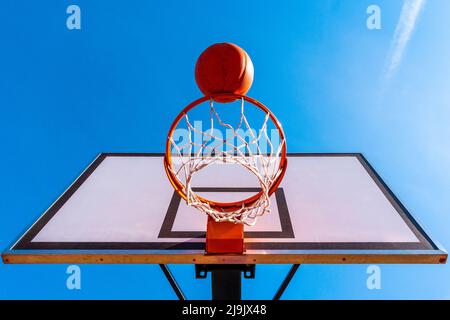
407 257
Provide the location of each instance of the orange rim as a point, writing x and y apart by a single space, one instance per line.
226 206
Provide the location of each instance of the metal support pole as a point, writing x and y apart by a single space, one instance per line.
226 284
172 282
286 282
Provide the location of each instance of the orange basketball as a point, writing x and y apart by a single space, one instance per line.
224 68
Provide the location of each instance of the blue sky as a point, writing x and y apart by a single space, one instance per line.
116 84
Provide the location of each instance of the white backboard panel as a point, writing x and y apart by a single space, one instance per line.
327 204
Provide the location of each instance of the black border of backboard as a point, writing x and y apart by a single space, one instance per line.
25 242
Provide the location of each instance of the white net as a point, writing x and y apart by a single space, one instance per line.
254 151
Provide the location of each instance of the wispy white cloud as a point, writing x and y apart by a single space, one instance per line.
405 27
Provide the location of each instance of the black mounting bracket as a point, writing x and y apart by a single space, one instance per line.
226 280
201 270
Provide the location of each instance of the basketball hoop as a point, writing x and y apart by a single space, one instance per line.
268 167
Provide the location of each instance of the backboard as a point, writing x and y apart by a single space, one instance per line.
330 208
